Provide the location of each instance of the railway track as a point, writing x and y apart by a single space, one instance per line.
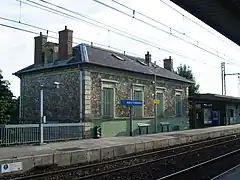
128 166
221 176
162 167
213 167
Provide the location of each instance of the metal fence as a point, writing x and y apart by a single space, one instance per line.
30 133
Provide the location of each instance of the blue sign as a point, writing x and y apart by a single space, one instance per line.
216 118
129 102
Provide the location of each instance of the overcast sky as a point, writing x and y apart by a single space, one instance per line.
17 48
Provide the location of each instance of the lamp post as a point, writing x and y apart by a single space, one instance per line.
155 96
42 117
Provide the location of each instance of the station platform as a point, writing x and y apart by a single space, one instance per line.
88 150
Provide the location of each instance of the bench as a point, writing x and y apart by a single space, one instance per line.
142 125
164 124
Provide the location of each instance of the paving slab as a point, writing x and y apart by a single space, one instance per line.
88 150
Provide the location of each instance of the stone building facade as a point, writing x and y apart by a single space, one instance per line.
92 83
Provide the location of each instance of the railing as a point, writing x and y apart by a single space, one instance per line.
29 133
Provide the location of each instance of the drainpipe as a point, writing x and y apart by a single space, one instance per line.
20 102
80 93
82 127
155 97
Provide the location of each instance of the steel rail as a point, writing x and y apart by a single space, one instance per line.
225 172
168 150
200 164
92 176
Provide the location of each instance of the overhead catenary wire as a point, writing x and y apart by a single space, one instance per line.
152 45
115 29
198 24
84 21
89 42
170 33
134 38
188 18
170 28
29 25
52 37
20 29
146 43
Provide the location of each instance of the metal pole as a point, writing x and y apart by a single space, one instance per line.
155 97
222 84
41 117
224 80
223 74
131 120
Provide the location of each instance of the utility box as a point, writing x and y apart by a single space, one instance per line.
97 132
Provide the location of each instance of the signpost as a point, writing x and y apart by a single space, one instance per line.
156 101
130 103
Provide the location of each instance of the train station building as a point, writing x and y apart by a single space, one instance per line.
93 81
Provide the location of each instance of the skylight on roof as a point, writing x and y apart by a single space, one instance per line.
141 62
155 65
118 57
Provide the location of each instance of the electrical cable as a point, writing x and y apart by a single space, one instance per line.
20 29
170 33
29 25
158 22
137 38
148 43
35 33
174 9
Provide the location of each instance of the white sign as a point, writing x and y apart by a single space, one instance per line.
11 167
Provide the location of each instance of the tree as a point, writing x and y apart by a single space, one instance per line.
186 71
14 111
7 101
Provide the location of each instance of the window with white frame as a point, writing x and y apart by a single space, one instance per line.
108 100
178 102
160 107
138 94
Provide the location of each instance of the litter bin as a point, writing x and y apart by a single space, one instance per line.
98 132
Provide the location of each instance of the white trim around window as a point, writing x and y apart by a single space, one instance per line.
109 81
138 85
179 90
161 88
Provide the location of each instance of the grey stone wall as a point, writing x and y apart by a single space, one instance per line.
59 104
63 104
123 91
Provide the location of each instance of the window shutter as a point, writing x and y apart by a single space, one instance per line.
107 102
178 105
160 106
137 109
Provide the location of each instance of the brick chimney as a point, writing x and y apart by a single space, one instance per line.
38 49
168 64
148 59
65 44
